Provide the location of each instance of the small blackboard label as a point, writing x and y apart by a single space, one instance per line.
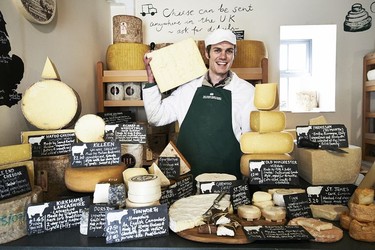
215 187
52 144
55 215
273 172
326 135
96 222
288 232
126 133
297 205
96 154
183 187
240 34
240 194
136 223
170 166
117 117
330 194
13 182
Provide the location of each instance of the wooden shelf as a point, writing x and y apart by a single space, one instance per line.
123 103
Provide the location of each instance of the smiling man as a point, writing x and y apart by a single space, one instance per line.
212 110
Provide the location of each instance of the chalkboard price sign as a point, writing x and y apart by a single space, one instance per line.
126 133
240 194
273 172
326 135
117 117
288 232
297 205
95 154
183 187
330 194
13 182
96 222
170 166
52 144
136 223
55 215
215 187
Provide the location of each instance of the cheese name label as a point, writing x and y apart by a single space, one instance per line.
52 144
13 182
273 172
127 133
95 154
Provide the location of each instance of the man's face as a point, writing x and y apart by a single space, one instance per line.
221 58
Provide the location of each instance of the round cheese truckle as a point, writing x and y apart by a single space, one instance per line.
266 96
267 121
90 128
50 104
267 143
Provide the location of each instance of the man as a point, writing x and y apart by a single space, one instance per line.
213 110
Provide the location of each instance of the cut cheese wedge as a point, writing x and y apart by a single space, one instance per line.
29 166
267 143
50 71
15 153
90 128
267 121
246 158
171 151
266 96
50 104
154 169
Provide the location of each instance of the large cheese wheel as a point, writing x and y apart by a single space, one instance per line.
126 56
249 54
127 29
50 104
267 143
84 179
246 158
15 153
266 96
90 128
267 121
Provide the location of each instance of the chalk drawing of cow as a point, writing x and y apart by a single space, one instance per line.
303 130
37 209
256 165
37 140
115 216
110 128
314 190
253 228
207 187
79 149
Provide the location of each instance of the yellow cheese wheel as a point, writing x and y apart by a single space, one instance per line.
90 128
266 96
50 104
15 153
267 121
84 179
249 54
267 143
126 56
246 158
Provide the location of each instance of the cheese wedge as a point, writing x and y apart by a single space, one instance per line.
328 211
266 96
267 121
154 169
50 71
29 166
172 151
267 143
246 158
90 128
15 153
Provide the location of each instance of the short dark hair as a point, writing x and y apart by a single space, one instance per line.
208 48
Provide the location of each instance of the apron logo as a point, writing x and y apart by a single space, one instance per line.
212 97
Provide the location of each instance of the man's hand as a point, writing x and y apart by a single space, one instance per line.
147 61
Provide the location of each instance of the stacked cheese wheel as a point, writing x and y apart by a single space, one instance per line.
143 190
267 140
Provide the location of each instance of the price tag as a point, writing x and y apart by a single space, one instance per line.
52 144
170 166
330 194
297 205
13 182
95 154
277 233
126 133
325 135
273 172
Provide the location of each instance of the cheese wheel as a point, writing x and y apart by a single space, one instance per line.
248 212
90 128
259 196
131 172
267 121
263 204
267 143
266 96
130 204
345 220
50 104
249 54
84 179
144 198
146 181
126 56
274 213
246 158
15 153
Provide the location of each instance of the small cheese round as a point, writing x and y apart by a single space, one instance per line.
263 204
249 212
259 196
274 213
143 182
90 128
131 172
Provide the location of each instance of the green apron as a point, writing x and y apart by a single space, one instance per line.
206 137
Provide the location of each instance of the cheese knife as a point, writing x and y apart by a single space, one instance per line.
214 205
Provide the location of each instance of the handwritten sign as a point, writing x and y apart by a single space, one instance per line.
325 135
183 187
52 144
240 194
215 187
95 154
170 166
330 194
96 222
273 172
13 182
55 215
288 232
136 223
297 205
113 118
127 133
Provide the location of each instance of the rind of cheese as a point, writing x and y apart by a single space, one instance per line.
143 184
267 143
267 121
50 104
362 213
215 177
15 153
168 68
316 224
260 196
319 167
274 213
246 158
84 179
328 211
146 198
29 166
172 151
187 212
26 134
130 172
266 96
130 204
90 128
154 169
50 71
126 56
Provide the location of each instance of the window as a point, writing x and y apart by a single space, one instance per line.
307 68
